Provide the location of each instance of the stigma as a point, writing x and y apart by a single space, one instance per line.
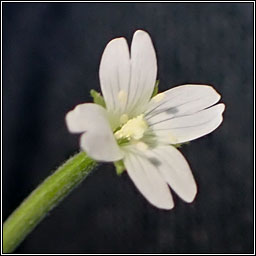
133 129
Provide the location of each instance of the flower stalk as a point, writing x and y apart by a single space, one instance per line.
44 198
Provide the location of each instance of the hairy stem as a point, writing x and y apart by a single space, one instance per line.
44 198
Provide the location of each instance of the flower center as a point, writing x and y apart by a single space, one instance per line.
134 129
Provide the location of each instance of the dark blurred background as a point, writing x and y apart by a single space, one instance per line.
51 55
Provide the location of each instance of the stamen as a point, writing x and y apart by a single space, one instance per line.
172 139
142 146
159 97
122 96
124 119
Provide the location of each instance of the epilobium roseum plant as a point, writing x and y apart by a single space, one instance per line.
140 130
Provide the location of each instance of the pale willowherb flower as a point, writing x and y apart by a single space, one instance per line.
141 130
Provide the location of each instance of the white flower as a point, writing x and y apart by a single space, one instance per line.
142 130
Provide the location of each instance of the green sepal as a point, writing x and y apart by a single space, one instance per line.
180 145
97 98
155 92
120 168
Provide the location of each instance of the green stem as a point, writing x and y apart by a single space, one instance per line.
44 198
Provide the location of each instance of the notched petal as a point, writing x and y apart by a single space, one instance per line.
147 179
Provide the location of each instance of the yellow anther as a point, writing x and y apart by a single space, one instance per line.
142 146
122 97
124 119
172 139
159 97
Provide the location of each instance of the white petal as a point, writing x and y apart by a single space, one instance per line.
79 119
188 127
100 146
148 180
115 74
98 140
175 171
181 100
143 71
127 83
